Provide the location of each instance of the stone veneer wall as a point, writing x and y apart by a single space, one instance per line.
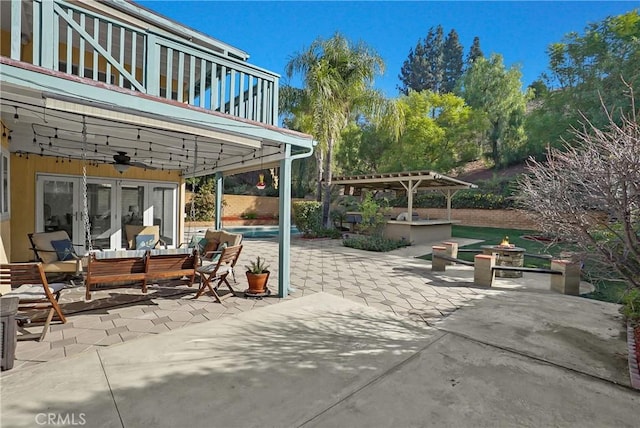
510 219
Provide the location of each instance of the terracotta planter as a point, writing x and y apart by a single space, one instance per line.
257 282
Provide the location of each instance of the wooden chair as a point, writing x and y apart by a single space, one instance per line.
41 244
218 272
29 283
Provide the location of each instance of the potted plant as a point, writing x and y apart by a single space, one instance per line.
257 276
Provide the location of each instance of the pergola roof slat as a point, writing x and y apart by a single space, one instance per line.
429 180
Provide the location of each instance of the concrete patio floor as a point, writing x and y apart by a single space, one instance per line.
366 340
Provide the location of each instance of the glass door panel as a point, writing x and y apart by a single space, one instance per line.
57 209
164 212
131 208
101 213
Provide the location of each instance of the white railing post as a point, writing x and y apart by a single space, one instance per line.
152 66
47 35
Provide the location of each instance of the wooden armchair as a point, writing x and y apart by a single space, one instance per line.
218 272
62 259
29 283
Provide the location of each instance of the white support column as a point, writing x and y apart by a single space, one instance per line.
284 253
449 204
219 188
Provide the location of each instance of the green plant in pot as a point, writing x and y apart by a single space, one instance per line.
257 276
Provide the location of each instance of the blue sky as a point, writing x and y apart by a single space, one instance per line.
271 32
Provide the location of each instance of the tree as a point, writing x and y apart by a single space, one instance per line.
423 69
589 193
497 92
295 111
428 141
452 61
474 52
338 78
585 70
414 69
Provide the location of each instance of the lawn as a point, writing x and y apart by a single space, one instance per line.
606 290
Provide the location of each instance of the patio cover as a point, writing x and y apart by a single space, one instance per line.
411 181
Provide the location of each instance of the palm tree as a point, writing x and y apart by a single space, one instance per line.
337 78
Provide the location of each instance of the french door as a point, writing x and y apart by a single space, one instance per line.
111 205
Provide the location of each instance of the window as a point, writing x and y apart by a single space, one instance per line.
4 190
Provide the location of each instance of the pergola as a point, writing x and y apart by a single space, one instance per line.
411 182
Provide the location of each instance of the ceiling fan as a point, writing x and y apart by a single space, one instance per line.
122 162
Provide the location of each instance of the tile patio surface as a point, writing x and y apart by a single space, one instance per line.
396 282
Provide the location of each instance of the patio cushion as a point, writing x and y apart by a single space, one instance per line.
35 291
145 242
64 249
132 230
212 245
42 241
198 242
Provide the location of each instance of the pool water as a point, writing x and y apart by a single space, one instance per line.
260 231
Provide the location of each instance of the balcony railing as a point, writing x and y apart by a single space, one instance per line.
67 38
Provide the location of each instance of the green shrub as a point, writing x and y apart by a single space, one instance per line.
324 232
374 243
462 199
307 215
631 306
373 220
249 215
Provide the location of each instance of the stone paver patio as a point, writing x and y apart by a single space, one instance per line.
396 282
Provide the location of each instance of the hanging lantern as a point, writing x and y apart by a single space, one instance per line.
261 184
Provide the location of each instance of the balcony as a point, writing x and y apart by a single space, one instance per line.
125 46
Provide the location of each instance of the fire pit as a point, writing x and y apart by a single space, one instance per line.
506 255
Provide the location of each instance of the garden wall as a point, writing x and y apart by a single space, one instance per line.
266 211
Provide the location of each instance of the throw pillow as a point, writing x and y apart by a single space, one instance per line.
64 249
222 246
212 245
145 242
202 243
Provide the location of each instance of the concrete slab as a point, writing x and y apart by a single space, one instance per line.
67 392
582 334
456 382
282 364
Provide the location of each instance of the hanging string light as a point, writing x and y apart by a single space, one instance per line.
261 184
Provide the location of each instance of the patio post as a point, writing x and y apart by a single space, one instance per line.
410 200
448 204
219 189
284 249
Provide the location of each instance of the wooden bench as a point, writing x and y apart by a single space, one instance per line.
140 269
123 269
165 266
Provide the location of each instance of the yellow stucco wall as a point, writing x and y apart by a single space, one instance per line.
23 192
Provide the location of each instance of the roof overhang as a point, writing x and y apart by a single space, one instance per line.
151 130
